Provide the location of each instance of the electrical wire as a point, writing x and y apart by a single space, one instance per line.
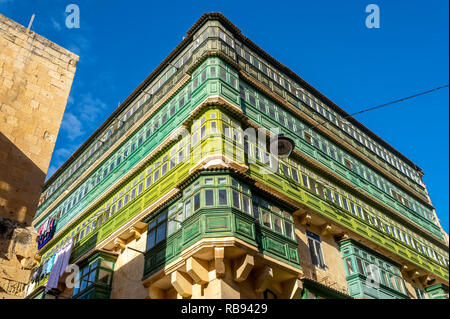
385 104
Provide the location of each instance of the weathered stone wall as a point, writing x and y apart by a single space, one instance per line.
35 80
128 270
18 246
334 274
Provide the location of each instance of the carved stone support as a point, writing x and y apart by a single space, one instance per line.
243 266
136 232
181 282
198 270
219 255
119 244
325 230
305 219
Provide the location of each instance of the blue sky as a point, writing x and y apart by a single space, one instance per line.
325 42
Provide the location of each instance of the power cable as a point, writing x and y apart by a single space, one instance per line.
386 104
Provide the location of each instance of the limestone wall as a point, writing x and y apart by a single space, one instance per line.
35 80
334 274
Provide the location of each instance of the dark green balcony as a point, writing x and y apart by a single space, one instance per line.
218 222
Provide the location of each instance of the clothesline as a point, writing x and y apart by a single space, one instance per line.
59 266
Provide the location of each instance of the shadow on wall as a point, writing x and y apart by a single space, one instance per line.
20 183
20 187
127 278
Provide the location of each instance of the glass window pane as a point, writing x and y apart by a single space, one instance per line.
92 278
359 265
277 224
196 201
83 283
107 264
246 204
223 199
160 233
171 227
348 264
255 212
266 218
318 247
236 202
312 251
209 197
84 271
152 224
288 229
151 240
187 209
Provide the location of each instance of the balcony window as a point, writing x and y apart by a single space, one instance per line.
156 230
315 249
209 197
95 278
223 197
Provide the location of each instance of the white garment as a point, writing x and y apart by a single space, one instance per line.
66 257
54 273
44 230
59 266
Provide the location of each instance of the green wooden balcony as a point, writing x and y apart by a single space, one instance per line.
216 223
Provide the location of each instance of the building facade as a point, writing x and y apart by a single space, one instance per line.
35 80
177 194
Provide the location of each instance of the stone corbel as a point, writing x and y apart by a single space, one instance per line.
413 274
119 244
181 282
136 232
243 266
198 270
342 236
219 255
300 212
305 219
325 230
405 270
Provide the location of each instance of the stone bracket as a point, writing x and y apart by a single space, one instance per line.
219 255
198 270
181 283
136 232
325 230
243 266
305 219
119 244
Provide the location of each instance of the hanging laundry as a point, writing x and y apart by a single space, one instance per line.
46 232
67 254
52 281
59 266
